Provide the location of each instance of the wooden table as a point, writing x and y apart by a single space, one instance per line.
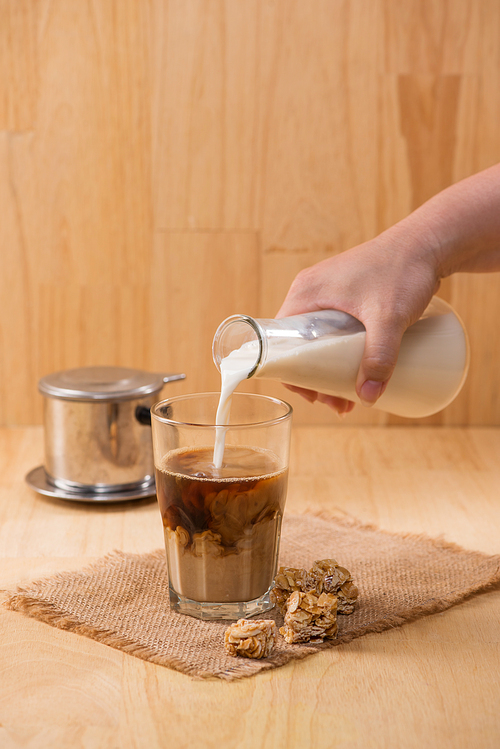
431 683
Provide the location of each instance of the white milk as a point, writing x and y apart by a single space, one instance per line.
431 367
234 369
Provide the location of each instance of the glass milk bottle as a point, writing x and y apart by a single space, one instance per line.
322 351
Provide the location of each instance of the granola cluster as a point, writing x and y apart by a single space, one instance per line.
325 576
309 601
310 616
251 638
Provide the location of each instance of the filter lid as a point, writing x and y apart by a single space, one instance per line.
103 383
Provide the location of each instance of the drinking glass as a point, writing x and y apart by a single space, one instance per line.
222 526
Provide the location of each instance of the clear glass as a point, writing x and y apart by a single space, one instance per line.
222 526
322 351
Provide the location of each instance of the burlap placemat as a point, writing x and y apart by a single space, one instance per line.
122 600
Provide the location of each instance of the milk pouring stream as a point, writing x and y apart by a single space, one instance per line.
322 351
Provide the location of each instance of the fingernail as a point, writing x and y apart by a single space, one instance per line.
342 409
370 391
311 397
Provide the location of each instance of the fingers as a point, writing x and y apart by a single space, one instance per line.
339 405
309 395
370 391
377 365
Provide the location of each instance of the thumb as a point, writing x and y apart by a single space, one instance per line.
377 365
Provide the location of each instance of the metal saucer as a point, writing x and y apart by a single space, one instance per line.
37 479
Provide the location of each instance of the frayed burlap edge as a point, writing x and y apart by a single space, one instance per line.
46 612
348 521
432 605
23 602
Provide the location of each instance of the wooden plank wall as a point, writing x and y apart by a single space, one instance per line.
167 163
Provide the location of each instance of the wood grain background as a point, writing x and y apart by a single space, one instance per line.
167 163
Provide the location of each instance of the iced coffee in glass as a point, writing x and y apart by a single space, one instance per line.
222 523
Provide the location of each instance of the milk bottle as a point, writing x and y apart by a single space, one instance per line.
322 351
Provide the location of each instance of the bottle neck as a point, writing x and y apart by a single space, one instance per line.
232 334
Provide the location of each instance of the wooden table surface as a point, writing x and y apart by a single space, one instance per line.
434 683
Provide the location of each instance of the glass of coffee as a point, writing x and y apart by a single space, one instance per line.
222 525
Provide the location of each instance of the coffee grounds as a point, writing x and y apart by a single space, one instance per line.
122 600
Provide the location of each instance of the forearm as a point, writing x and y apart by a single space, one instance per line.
457 230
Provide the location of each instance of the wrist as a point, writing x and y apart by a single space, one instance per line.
415 244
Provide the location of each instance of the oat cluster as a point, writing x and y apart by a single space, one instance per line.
310 616
309 601
251 638
325 576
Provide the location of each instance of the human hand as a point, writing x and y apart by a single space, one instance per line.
387 283
384 286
